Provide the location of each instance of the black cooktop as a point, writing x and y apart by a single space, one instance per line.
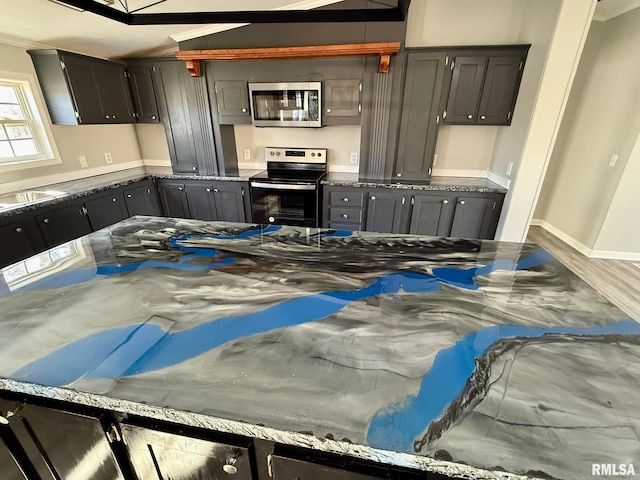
289 176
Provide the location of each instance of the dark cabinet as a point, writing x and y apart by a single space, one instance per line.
142 199
500 89
232 202
466 88
83 90
232 99
431 215
9 469
105 210
420 111
384 211
143 93
341 102
63 224
476 217
201 202
174 199
164 455
20 239
58 445
292 469
184 107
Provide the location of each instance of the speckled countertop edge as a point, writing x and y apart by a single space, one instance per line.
410 186
296 439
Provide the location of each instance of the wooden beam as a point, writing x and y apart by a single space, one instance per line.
384 50
194 67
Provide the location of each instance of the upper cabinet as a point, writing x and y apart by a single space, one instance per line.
143 92
82 90
232 98
481 86
341 102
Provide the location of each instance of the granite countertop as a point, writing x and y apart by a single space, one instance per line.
467 358
448 184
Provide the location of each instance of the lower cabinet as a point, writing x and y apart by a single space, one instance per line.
430 215
290 469
20 239
9 469
476 217
106 210
142 199
384 211
63 224
173 199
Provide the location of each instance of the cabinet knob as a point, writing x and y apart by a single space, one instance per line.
180 188
328 110
19 230
446 202
216 190
462 202
113 199
373 198
398 174
208 190
483 117
194 168
469 117
344 215
107 116
4 420
230 469
114 116
129 195
244 110
153 117
46 220
345 199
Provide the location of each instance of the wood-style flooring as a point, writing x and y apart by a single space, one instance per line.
616 280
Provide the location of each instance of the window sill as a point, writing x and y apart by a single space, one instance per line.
45 162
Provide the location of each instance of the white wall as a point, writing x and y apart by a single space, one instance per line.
153 144
92 141
606 122
340 140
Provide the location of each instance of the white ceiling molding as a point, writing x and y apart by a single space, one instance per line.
211 29
602 14
162 52
22 43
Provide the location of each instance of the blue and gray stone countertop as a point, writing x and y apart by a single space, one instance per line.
436 183
473 359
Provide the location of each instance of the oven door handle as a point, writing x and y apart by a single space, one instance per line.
282 186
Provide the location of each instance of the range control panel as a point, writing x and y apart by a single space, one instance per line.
299 155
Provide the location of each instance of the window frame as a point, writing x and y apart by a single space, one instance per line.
30 97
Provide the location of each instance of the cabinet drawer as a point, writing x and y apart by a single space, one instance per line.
345 215
351 199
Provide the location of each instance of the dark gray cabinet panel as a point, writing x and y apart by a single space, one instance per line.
9 469
20 239
232 202
420 106
201 201
174 199
341 99
290 469
144 95
232 98
62 445
185 110
384 211
115 96
168 456
83 83
501 85
142 200
466 88
106 210
475 217
431 215
63 224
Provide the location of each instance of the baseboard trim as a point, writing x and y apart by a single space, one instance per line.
582 248
68 176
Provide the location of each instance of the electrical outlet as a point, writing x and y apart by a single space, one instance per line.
614 160
247 154
509 169
107 157
354 157
83 161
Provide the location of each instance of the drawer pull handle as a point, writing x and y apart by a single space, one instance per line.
462 202
19 230
344 215
46 220
345 199
446 202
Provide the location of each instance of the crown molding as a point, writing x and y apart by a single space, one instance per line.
598 17
211 29
21 42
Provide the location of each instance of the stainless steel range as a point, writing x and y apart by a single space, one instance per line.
287 193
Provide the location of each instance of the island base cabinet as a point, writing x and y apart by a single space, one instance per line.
155 454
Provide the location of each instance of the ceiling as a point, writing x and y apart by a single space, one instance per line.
42 24
608 9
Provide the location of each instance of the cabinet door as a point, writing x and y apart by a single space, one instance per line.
201 201
144 95
384 212
156 454
466 87
62 445
115 95
233 100
501 85
290 469
9 469
474 217
83 83
106 210
63 224
431 215
342 98
20 239
230 201
174 200
142 200
420 109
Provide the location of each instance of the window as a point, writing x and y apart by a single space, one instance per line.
23 136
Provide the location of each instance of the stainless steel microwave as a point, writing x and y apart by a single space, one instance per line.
286 104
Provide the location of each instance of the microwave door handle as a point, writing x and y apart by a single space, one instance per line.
282 186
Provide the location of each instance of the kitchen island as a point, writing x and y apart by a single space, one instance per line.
463 358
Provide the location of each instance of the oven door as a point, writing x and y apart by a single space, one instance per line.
285 204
